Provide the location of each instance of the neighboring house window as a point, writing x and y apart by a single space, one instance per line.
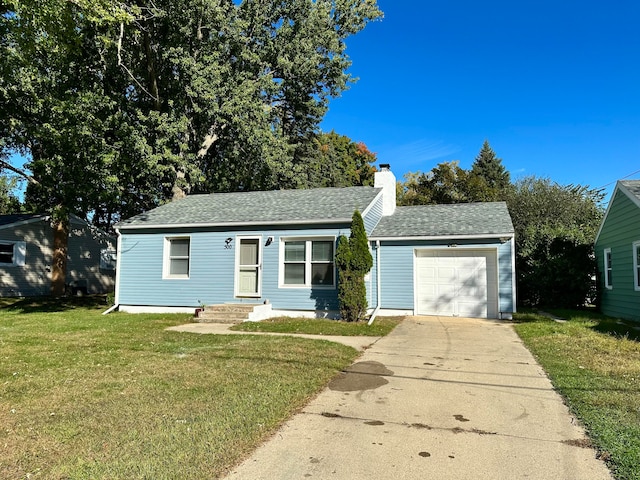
13 254
308 263
107 259
636 265
608 271
176 251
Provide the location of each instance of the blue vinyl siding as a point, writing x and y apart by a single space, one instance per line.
505 278
373 215
397 275
620 229
212 271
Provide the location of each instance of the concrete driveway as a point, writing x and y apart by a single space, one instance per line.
438 398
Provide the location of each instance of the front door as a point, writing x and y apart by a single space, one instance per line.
249 268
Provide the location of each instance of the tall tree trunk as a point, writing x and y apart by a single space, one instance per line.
60 248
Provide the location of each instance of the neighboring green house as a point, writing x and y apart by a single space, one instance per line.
617 249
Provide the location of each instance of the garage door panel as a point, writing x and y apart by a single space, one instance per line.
445 275
456 283
471 310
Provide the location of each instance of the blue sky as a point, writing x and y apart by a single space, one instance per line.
553 85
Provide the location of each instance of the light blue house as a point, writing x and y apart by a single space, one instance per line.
276 249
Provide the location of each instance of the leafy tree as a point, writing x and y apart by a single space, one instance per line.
122 106
353 260
488 167
555 229
445 183
9 202
333 160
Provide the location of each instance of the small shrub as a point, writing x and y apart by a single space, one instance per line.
353 261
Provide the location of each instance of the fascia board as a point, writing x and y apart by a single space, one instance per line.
232 224
24 222
628 193
444 237
619 186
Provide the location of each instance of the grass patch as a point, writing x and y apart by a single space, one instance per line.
321 326
594 362
89 396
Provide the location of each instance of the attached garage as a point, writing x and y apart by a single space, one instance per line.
456 282
455 260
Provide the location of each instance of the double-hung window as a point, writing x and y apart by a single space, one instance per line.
608 270
176 257
636 265
308 262
12 253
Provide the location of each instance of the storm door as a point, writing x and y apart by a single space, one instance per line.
248 268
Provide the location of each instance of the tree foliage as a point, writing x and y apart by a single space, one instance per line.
9 201
488 170
353 260
334 160
121 106
555 229
445 183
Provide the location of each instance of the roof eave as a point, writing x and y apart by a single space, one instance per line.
231 224
37 218
623 189
508 235
628 193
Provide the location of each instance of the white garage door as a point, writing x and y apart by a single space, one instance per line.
457 283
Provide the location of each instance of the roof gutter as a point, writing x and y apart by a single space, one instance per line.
235 224
445 236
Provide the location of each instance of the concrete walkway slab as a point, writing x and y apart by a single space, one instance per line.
357 342
441 398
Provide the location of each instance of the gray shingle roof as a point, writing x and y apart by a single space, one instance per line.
633 186
459 219
258 208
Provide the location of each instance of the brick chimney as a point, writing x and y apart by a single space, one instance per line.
386 180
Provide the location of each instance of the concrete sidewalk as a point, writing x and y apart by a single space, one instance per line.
359 343
441 398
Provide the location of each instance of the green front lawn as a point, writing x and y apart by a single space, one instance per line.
594 362
318 326
89 396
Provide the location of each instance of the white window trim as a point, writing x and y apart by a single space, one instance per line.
19 254
166 259
236 271
636 280
307 281
607 267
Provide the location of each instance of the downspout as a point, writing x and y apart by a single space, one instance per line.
378 287
116 301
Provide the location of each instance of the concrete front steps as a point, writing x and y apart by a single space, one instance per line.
233 313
